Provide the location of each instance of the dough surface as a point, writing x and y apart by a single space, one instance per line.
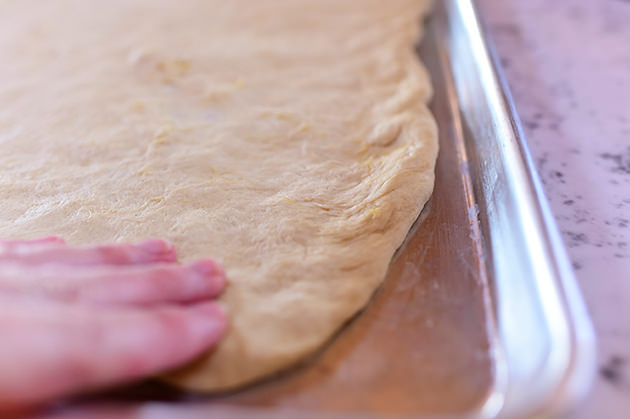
289 140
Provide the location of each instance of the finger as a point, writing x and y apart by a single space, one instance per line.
26 245
67 349
151 251
137 284
48 239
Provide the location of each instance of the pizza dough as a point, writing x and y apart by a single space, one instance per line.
287 139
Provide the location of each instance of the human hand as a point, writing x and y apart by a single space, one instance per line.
76 319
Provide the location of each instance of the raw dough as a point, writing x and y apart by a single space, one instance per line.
288 139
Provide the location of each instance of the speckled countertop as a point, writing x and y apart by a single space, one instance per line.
568 65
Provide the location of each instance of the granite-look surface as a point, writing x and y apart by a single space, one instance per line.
568 65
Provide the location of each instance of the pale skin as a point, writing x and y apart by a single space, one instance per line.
77 319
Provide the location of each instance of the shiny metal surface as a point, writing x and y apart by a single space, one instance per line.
480 315
547 346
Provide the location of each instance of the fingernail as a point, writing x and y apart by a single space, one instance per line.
210 319
157 246
213 272
204 267
209 309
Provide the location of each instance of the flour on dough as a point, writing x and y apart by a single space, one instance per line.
288 139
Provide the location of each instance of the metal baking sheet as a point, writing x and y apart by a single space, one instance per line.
480 315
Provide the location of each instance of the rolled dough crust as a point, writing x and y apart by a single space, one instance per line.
288 139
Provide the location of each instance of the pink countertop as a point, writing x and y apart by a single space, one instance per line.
568 65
